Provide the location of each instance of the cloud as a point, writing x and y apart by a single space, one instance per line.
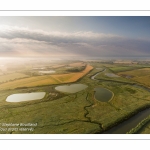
15 41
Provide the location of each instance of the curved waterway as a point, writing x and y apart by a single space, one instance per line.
93 77
127 125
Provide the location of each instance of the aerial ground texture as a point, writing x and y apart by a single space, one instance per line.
62 113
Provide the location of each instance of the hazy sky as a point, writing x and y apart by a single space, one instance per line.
74 36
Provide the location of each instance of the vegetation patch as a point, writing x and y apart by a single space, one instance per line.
73 112
122 68
140 75
11 77
46 80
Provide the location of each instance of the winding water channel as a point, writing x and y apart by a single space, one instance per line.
127 125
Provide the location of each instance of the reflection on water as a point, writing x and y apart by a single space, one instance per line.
25 97
127 125
73 88
102 94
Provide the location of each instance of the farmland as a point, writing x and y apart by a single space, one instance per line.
12 76
45 80
79 112
122 68
139 75
72 77
77 64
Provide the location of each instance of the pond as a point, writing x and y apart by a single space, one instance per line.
72 88
25 97
111 75
47 72
102 94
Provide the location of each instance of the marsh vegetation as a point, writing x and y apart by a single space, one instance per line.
78 111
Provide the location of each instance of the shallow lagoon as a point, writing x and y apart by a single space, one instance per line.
103 94
73 88
25 97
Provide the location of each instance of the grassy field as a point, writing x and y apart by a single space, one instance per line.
57 66
64 115
45 80
139 75
121 68
137 72
103 76
72 77
12 76
74 113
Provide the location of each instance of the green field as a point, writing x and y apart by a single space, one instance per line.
75 113
45 80
120 68
139 75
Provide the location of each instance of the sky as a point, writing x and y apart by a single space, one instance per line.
75 36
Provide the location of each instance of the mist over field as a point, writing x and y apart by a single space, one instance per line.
75 75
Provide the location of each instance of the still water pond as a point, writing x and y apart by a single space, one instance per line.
73 88
25 97
47 72
103 94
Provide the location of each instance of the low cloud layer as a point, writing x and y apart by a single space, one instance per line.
15 41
